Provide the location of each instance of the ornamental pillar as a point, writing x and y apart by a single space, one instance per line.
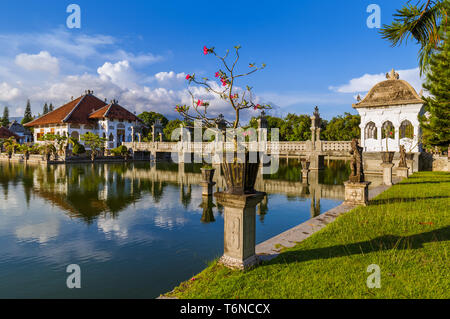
239 229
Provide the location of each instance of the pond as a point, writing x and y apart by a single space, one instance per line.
136 230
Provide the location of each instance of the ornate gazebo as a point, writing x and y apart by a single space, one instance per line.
390 111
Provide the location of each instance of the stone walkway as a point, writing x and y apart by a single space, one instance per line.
271 248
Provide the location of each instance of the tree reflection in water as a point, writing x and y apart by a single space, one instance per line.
87 191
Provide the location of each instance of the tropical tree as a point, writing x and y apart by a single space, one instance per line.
27 116
5 117
436 121
94 142
237 99
171 126
343 128
10 145
45 109
421 22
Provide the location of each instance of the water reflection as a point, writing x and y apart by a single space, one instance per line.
207 205
88 191
147 226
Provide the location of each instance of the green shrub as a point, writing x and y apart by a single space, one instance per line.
78 149
120 151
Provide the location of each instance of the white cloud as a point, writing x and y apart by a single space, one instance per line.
7 92
120 73
167 77
367 81
41 233
43 61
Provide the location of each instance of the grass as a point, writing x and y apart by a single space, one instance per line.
404 230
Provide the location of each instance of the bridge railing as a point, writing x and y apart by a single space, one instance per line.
270 147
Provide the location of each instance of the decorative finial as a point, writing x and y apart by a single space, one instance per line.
316 111
358 98
392 75
421 93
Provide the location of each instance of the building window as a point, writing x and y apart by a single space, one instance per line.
371 130
406 129
75 135
388 129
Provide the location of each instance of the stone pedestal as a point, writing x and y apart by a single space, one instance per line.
403 172
239 229
305 176
387 173
207 188
356 193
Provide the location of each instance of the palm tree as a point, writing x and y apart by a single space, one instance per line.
422 22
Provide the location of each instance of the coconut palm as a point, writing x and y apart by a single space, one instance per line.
422 22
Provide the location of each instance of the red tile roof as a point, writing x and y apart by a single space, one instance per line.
114 112
6 133
75 112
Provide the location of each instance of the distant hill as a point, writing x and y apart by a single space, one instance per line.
18 119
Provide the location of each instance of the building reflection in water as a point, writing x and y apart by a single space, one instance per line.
86 191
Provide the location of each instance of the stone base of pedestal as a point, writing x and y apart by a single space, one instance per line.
207 188
239 228
236 263
402 172
387 173
356 193
305 176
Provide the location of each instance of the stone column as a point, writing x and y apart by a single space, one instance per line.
362 128
305 171
305 176
397 138
239 229
207 188
380 138
387 173
132 134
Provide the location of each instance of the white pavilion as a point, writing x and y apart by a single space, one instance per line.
390 112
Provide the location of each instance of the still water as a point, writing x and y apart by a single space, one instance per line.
136 230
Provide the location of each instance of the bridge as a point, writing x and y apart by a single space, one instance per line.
314 150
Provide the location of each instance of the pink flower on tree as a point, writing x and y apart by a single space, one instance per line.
199 102
188 77
257 106
205 50
217 74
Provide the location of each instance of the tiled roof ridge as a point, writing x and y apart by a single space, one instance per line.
74 108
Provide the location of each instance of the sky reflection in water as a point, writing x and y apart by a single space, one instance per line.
135 231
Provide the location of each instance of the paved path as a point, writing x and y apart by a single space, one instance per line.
271 248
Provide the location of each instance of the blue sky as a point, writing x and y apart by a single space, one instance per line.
317 52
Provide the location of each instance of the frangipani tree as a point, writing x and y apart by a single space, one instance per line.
238 99
240 169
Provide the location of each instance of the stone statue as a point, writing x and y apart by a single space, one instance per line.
402 162
357 173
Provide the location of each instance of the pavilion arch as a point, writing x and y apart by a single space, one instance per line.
370 130
406 130
389 127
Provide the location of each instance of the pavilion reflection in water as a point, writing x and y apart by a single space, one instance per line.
89 190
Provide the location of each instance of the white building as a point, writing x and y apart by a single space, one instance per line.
89 114
389 113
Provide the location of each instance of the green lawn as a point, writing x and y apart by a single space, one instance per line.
404 230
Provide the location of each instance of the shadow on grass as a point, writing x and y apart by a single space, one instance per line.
387 242
425 182
403 200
